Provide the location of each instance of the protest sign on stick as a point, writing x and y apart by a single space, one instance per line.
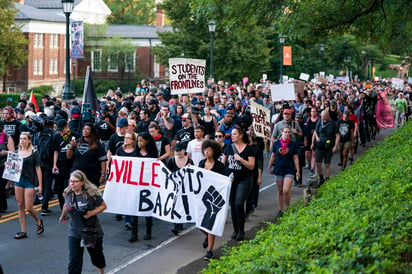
260 120
187 75
282 92
145 187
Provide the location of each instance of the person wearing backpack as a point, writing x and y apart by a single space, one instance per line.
44 145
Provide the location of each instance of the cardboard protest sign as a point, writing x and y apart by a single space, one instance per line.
282 92
187 75
304 76
145 187
330 78
323 80
397 83
260 120
13 167
299 87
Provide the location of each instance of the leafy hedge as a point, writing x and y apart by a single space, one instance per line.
361 222
15 98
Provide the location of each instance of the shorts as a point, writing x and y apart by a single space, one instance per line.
325 156
344 145
24 183
280 177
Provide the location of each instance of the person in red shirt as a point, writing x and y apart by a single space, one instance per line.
352 117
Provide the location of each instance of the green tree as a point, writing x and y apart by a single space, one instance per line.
132 12
241 43
13 43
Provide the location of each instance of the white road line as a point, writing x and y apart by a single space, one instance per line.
168 241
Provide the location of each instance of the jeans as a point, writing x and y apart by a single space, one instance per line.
238 194
76 255
47 184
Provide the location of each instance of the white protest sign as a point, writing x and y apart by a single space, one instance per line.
410 80
145 187
322 74
397 83
330 78
260 120
13 167
304 76
282 92
264 77
187 75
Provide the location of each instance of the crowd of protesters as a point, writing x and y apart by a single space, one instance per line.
198 129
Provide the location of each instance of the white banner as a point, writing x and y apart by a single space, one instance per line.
13 167
145 187
260 120
282 92
187 75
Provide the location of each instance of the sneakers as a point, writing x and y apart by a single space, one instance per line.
280 214
240 236
128 226
45 212
234 234
208 256
311 172
315 176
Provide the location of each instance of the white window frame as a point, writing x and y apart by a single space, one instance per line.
40 40
156 69
93 61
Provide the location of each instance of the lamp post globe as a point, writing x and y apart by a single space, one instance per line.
68 93
281 42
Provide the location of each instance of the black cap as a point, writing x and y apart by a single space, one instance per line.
180 146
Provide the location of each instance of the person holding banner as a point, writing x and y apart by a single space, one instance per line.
178 161
30 178
146 149
239 159
6 144
211 150
88 155
285 163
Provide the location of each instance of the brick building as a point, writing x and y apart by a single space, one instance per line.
44 24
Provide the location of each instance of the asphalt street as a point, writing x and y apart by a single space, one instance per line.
164 253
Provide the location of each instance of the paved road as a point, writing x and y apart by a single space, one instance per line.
165 253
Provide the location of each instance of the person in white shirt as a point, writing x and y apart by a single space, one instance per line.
194 147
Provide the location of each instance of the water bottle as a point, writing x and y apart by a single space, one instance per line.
39 196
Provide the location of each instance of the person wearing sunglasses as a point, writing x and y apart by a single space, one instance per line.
219 137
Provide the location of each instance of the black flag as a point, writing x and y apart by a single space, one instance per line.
89 93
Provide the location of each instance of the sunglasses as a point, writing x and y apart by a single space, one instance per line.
218 136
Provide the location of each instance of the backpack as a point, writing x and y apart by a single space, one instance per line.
44 145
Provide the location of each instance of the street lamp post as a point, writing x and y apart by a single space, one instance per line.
322 52
74 76
67 9
281 42
212 27
350 67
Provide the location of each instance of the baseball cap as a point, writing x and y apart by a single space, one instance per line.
28 114
152 102
185 116
230 106
122 122
287 111
104 108
75 112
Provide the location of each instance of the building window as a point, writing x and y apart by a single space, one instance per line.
53 40
40 66
53 66
113 63
156 68
132 59
96 60
35 72
38 40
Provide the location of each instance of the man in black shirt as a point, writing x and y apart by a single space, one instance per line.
186 134
117 139
144 122
11 125
105 125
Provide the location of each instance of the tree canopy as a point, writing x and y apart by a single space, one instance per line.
131 12
13 43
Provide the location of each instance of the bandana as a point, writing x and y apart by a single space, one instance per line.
283 150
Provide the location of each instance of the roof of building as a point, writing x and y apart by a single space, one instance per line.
136 31
47 4
26 12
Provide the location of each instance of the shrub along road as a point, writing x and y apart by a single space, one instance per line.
165 253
